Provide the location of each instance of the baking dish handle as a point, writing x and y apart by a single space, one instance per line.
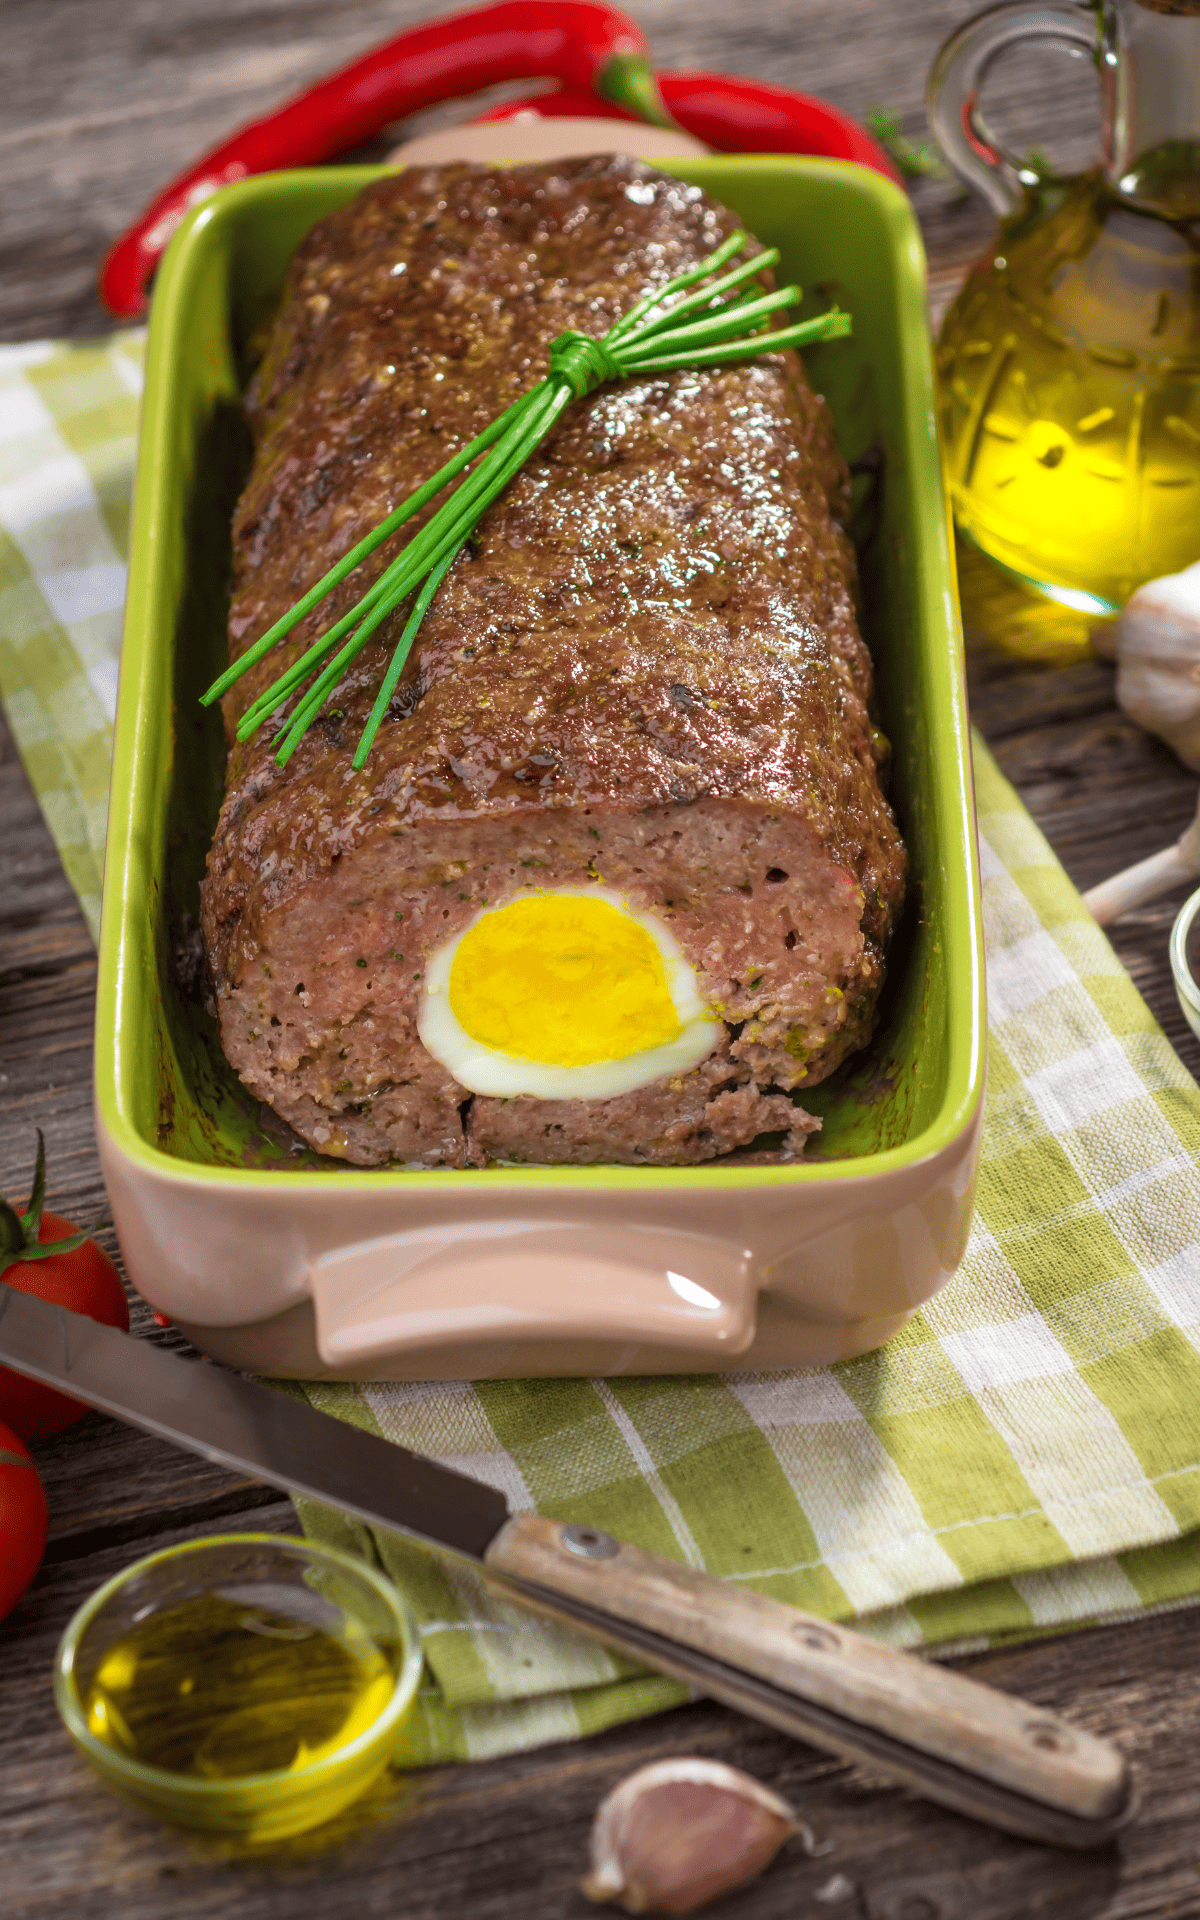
533 1280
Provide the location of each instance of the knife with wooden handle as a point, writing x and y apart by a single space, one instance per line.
982 1752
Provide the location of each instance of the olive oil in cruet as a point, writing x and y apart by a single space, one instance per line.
1069 366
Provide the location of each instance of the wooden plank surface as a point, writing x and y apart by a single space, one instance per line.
103 100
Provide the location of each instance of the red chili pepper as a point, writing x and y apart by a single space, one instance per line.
590 48
732 115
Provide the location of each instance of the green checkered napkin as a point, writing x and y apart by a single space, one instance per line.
1025 1456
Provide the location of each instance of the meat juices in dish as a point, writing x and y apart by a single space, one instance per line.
642 681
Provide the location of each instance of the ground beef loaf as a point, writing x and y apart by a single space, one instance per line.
645 670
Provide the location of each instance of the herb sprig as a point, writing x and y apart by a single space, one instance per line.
715 326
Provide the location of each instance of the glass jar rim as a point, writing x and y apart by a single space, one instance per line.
1186 984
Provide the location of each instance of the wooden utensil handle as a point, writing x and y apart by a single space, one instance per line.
985 1752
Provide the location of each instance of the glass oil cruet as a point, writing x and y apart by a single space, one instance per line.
1069 365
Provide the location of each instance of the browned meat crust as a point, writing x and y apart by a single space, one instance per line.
647 670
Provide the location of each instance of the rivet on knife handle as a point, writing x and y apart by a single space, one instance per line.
982 1734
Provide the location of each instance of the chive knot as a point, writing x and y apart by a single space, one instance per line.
585 362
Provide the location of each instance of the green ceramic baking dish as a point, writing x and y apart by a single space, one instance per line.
277 1260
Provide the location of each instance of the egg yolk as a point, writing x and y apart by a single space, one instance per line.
562 980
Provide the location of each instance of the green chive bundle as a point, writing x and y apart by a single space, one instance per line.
706 329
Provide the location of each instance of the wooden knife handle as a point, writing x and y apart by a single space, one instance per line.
986 1753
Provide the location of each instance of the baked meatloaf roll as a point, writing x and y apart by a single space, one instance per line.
618 876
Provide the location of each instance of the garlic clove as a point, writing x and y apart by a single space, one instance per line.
680 1833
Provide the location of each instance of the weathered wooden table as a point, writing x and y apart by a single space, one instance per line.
103 100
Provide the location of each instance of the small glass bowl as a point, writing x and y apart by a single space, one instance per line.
1186 985
316 1585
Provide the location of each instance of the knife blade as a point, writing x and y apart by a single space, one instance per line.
966 1745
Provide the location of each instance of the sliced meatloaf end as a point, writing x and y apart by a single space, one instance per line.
644 672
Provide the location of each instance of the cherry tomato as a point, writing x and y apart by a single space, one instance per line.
22 1520
81 1278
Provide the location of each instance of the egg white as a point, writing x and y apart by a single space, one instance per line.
484 1069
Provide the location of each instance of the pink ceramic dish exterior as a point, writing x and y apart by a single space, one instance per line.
504 1283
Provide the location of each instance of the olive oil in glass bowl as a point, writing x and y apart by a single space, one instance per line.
247 1684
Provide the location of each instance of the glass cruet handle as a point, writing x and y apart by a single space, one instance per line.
958 74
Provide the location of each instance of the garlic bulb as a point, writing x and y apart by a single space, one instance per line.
680 1833
1156 644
